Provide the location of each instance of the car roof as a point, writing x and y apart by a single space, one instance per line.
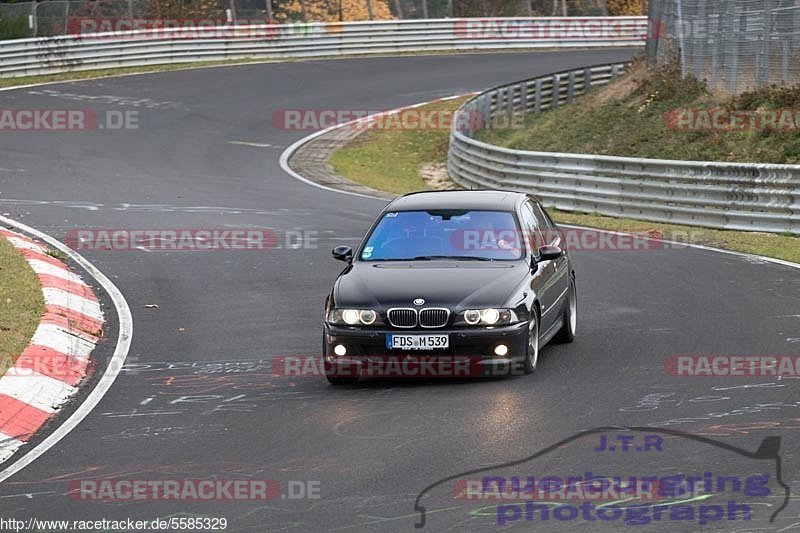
482 200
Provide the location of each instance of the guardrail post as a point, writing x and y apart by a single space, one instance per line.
587 80
523 97
537 97
556 94
571 87
486 110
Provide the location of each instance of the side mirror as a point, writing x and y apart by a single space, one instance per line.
548 253
343 253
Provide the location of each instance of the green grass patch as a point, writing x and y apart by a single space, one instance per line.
390 161
14 27
627 118
21 304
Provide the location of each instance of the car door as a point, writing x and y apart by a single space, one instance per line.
541 282
559 268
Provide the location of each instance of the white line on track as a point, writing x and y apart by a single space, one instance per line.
112 369
245 143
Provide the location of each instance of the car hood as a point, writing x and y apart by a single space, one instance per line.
453 284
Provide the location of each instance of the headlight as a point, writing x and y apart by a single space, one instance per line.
487 317
368 316
350 316
490 316
353 317
472 316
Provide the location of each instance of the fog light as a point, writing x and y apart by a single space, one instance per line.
340 350
501 350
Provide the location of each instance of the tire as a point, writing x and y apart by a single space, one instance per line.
532 346
334 380
567 332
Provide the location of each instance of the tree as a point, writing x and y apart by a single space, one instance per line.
618 8
329 10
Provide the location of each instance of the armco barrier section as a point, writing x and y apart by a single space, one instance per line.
736 196
52 55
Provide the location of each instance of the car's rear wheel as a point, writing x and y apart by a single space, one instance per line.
567 331
532 347
330 369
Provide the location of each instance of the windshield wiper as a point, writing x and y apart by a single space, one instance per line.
452 257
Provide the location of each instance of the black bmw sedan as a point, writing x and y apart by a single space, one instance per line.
458 282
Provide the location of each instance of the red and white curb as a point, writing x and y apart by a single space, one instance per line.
50 369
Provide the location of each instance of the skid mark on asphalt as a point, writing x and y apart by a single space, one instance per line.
165 431
208 388
123 101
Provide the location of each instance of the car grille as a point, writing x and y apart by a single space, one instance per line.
434 317
403 318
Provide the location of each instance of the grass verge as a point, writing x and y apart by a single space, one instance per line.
390 160
660 115
21 303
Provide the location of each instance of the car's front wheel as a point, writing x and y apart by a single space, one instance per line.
532 346
570 318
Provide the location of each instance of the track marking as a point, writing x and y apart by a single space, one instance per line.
112 369
244 143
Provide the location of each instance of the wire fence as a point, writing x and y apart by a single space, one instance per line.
735 45
63 17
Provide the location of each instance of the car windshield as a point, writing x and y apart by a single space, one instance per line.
433 235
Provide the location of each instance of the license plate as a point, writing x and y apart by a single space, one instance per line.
417 342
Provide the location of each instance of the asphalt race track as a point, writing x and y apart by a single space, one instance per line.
198 399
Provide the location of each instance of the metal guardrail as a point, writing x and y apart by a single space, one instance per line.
26 57
736 196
